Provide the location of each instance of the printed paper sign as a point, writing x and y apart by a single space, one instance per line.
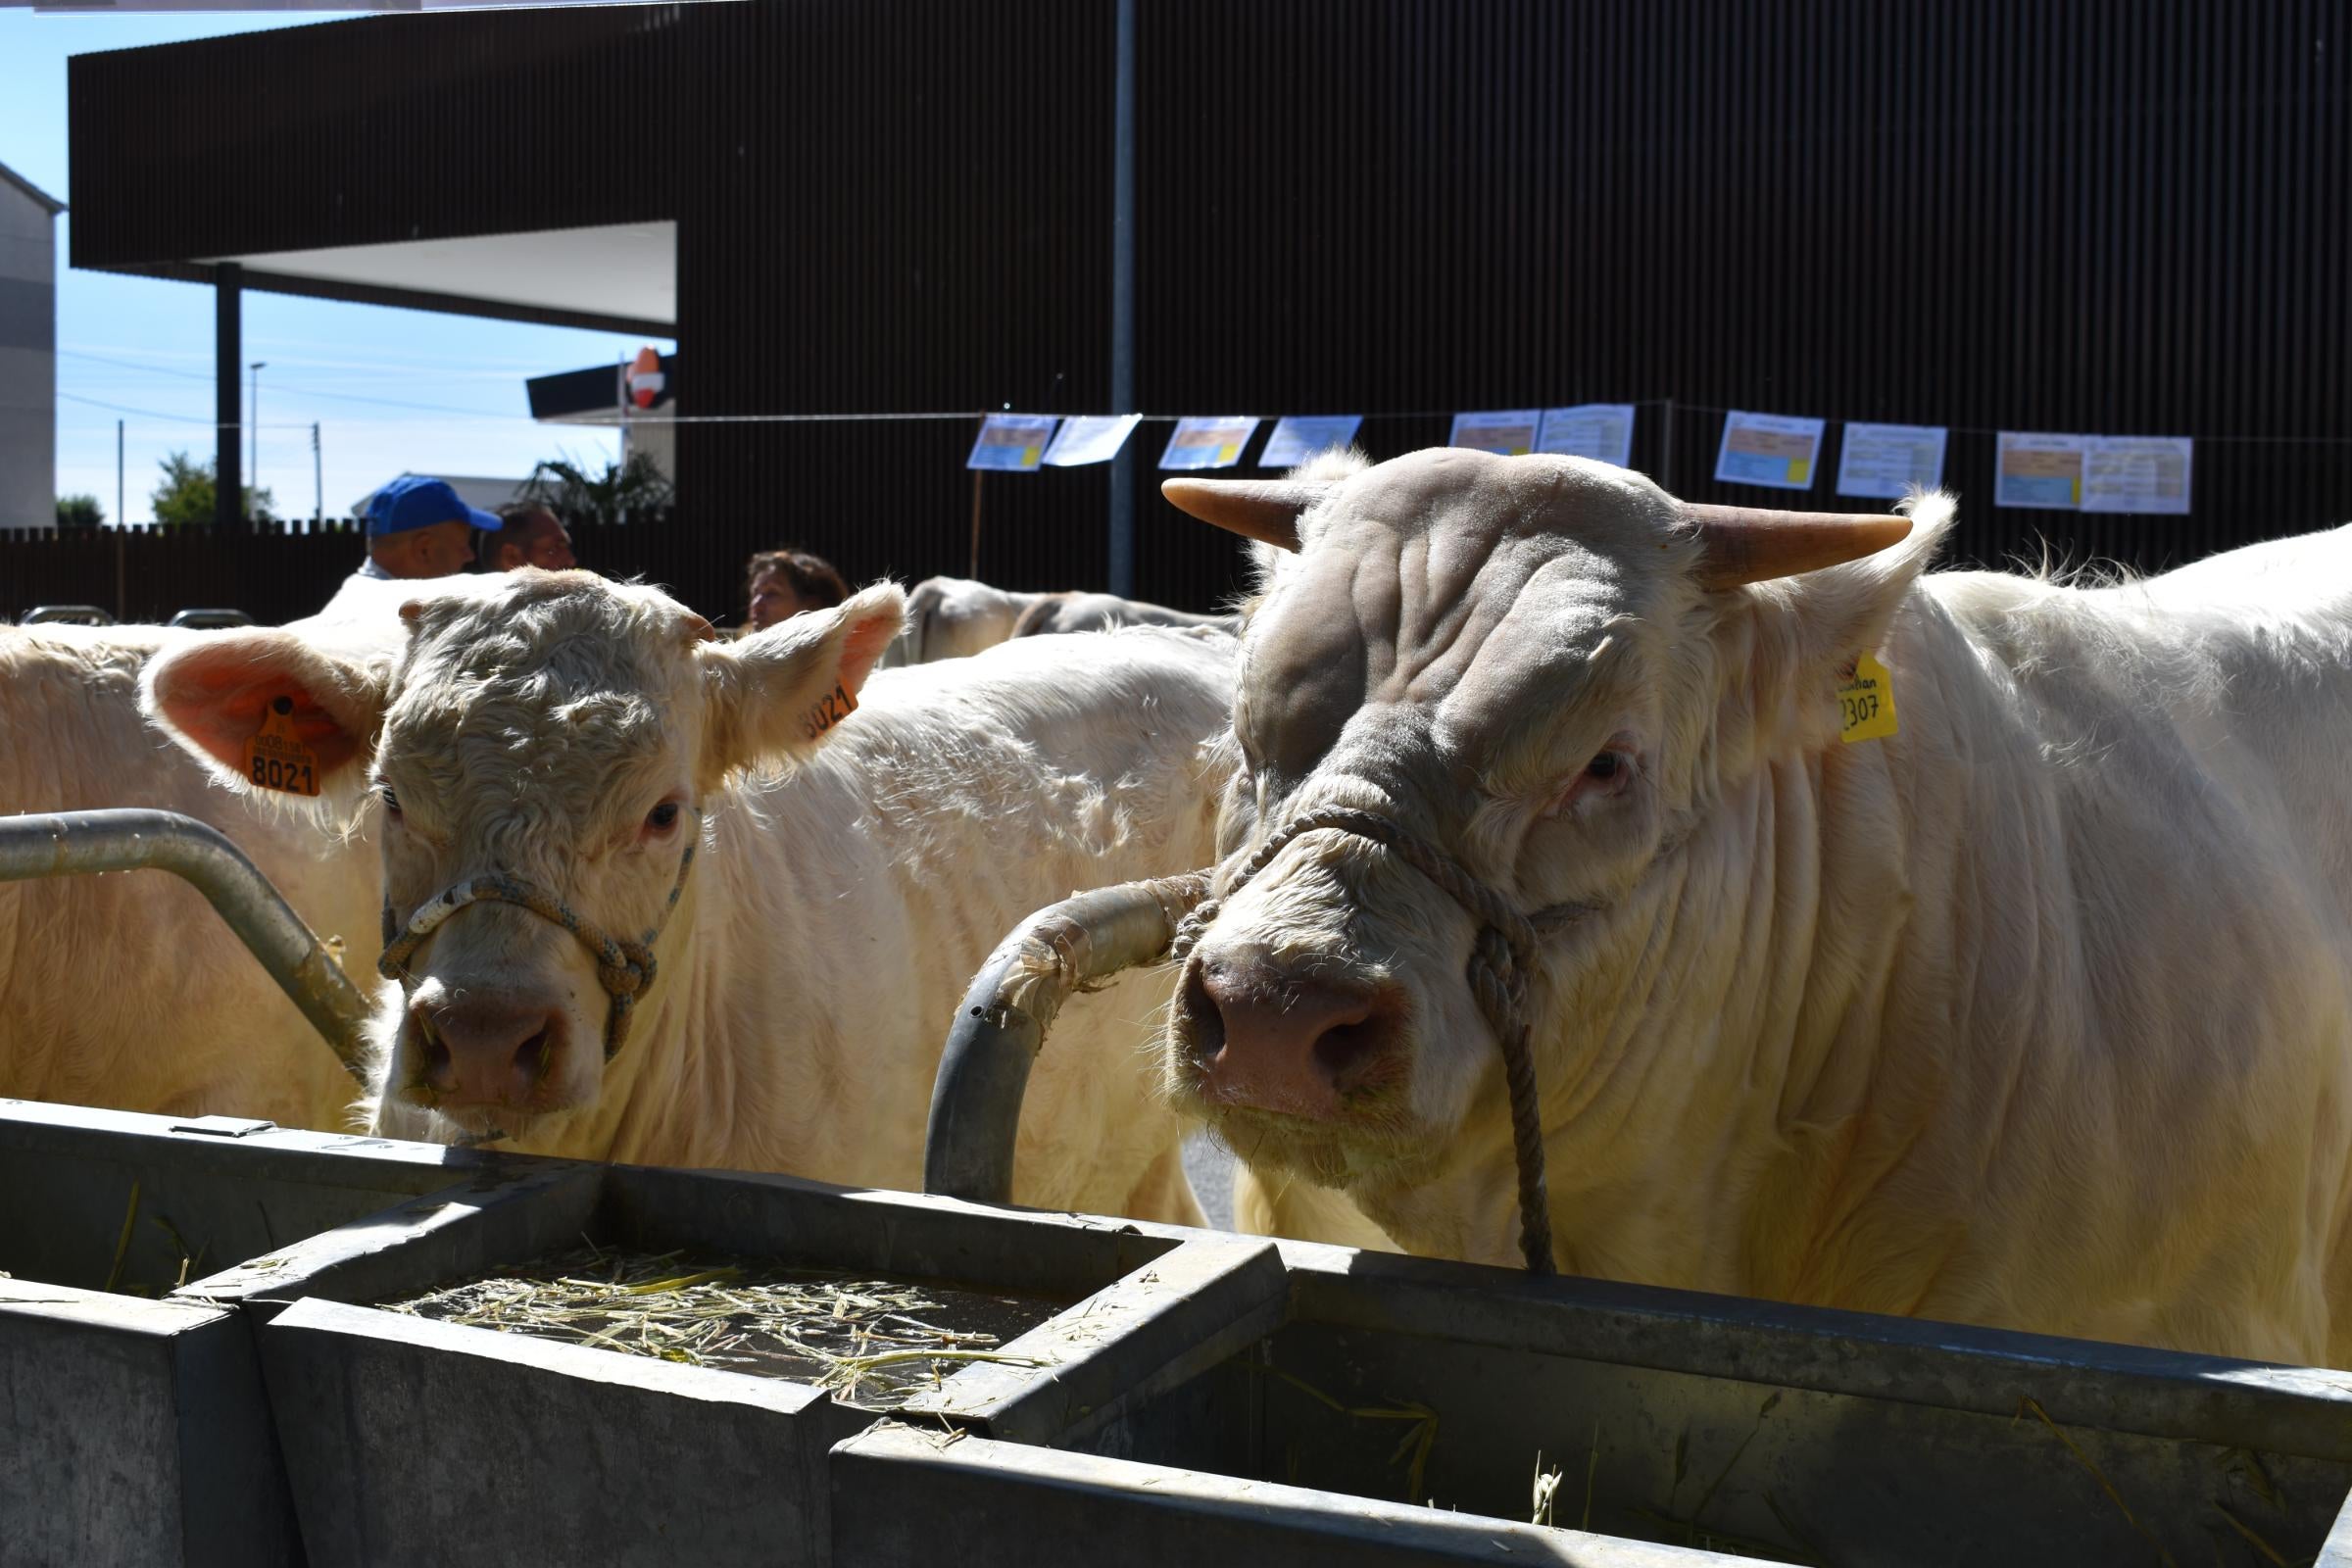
1208 441
1090 438
2136 473
1011 442
1506 432
2039 471
1602 430
1769 449
1891 461
1298 437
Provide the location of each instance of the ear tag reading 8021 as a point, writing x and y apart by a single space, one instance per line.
1865 701
275 758
834 707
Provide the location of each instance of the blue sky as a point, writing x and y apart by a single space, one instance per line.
389 389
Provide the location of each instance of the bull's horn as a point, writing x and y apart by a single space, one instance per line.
1264 509
1748 543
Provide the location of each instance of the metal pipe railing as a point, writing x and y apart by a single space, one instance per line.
77 843
1001 1024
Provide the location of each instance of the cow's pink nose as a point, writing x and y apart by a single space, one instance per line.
1284 1042
488 1051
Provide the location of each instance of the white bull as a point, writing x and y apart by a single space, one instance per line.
859 849
128 991
2036 1013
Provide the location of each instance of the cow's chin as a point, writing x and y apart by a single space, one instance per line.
1356 1154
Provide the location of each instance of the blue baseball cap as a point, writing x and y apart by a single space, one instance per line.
414 501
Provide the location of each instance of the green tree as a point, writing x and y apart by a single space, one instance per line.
184 498
636 491
79 513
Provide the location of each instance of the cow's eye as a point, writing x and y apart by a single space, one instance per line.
1605 765
662 818
391 801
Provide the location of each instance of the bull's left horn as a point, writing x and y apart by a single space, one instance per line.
1748 543
1264 509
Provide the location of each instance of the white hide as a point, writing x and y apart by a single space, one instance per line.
127 991
2037 1015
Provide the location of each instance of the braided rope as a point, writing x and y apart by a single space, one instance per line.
624 969
1500 960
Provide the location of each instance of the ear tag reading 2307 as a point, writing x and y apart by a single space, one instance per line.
1866 702
275 758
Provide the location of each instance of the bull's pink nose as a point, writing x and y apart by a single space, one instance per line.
488 1051
1282 1042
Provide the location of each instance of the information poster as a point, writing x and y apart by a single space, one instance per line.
1506 432
2039 471
1779 450
1208 441
1602 430
1011 443
1298 437
1090 438
1891 461
2138 473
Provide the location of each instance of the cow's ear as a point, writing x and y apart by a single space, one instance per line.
1790 642
241 700
780 692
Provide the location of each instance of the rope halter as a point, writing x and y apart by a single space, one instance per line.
1500 960
624 969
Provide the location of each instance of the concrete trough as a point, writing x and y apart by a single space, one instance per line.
133 1424
1682 1428
411 1440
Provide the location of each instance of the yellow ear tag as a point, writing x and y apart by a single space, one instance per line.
836 706
275 758
1866 702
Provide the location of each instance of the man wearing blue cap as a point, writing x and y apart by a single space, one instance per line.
419 527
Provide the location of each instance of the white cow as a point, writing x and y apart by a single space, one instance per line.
2036 1013
857 848
955 618
128 991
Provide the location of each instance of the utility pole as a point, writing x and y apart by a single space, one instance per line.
228 349
121 521
255 466
1122 302
317 480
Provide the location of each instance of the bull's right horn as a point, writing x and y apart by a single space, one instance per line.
1264 509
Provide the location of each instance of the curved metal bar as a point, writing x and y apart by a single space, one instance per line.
1001 1024
70 614
73 842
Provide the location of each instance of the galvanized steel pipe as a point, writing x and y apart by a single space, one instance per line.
75 843
976 1100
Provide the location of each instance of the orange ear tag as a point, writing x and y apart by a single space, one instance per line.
275 758
836 706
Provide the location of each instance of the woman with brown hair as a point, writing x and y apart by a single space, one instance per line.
783 583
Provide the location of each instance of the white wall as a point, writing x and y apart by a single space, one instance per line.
27 362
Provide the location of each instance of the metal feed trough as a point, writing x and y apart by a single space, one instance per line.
410 1439
132 1421
1713 1426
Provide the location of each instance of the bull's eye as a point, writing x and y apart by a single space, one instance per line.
1605 766
390 799
662 818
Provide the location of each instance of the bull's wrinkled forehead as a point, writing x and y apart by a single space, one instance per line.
1459 585
551 689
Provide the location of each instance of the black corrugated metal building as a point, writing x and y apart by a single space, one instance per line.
2113 218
